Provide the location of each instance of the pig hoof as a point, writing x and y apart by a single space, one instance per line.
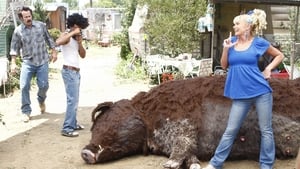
195 166
171 164
88 156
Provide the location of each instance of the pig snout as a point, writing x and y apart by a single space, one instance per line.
88 156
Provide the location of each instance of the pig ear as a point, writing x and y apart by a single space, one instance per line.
102 107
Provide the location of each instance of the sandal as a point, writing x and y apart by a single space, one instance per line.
79 127
70 133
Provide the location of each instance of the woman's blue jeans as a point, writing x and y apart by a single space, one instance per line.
238 113
72 83
27 73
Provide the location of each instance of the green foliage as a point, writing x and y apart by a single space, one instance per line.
54 33
280 66
295 33
171 25
124 51
287 41
8 29
117 38
73 4
123 38
108 3
12 81
131 71
292 26
49 1
105 4
119 3
39 13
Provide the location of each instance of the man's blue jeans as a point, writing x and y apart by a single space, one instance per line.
72 83
27 72
238 113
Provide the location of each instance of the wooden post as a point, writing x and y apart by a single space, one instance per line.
298 160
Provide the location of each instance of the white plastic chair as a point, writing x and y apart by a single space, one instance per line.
296 72
3 72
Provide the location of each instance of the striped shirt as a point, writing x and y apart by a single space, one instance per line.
30 43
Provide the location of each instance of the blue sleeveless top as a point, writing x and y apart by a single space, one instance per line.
244 79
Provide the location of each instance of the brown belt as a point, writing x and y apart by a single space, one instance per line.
71 68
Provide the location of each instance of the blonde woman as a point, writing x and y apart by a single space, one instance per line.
247 86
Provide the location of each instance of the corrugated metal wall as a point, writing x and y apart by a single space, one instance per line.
5 36
3 42
280 19
3 7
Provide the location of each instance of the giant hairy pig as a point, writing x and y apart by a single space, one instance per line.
184 121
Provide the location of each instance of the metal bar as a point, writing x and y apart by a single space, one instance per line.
13 14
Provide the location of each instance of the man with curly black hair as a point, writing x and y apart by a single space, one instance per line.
71 46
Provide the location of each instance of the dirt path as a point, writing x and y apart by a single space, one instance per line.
38 144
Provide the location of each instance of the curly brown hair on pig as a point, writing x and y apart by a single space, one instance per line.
185 119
